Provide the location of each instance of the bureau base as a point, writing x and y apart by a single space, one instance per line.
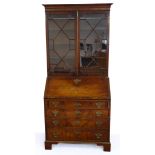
106 145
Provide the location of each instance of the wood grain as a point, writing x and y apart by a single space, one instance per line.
94 87
77 111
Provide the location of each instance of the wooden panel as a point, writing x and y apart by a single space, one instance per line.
85 123
80 7
54 134
76 134
77 113
92 87
78 104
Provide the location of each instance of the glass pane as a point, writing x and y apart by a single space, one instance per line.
61 29
93 42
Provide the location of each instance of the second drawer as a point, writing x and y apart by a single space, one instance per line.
85 114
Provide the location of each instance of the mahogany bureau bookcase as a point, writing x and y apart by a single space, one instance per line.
77 92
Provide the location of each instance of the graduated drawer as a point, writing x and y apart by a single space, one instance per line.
81 113
86 123
76 134
78 104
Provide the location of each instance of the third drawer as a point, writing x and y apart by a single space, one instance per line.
103 123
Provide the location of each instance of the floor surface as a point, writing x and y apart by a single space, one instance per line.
76 149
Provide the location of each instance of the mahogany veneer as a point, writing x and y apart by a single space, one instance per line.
77 97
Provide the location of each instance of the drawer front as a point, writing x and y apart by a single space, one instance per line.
78 104
85 123
81 113
76 134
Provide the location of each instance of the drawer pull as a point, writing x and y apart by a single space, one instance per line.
77 112
55 112
55 135
77 132
77 104
99 113
99 104
55 103
98 123
77 122
55 122
98 135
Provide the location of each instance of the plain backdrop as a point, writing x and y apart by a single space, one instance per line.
23 74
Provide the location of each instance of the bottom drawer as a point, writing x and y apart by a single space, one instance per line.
76 134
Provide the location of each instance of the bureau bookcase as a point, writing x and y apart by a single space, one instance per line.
77 91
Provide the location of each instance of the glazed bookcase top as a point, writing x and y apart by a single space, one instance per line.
77 38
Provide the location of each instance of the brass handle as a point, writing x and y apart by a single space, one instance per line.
55 103
98 135
99 113
99 104
77 132
77 81
55 122
98 123
55 112
77 122
77 112
55 135
77 104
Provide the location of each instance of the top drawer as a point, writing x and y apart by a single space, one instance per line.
78 104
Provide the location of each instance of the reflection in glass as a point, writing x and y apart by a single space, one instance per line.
61 42
93 42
